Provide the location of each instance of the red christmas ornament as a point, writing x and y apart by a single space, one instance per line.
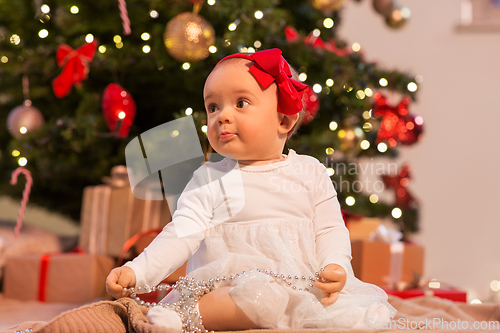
118 108
397 126
75 65
311 101
404 199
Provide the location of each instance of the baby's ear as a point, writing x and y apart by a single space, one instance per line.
287 122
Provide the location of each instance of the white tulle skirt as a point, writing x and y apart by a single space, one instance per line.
284 247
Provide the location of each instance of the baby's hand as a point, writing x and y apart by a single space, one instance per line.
335 277
119 278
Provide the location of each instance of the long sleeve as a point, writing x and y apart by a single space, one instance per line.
181 238
333 244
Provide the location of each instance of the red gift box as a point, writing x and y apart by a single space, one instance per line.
451 294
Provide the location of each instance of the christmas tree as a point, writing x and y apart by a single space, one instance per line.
163 64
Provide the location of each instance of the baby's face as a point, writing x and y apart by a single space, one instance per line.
242 118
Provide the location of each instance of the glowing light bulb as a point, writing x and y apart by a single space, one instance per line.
350 201
74 10
23 130
329 150
316 32
43 33
475 301
119 45
360 94
45 9
154 14
383 82
317 88
15 39
419 78
368 92
204 128
356 47
89 38
328 23
232 26
365 144
257 44
117 39
16 153
434 285
102 48
22 161
366 115
412 86
211 2
4 59
494 285
342 134
329 82
188 111
333 126
396 213
212 49
146 49
382 147
367 127
174 133
121 115
330 172
302 77
186 66
258 15
145 36
373 198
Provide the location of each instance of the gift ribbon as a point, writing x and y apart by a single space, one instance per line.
44 270
396 263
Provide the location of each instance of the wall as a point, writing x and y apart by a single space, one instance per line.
454 166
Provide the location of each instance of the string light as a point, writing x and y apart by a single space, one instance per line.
204 128
366 115
186 66
232 26
74 10
316 32
154 14
302 77
383 82
89 38
119 45
367 127
16 153
43 33
382 147
174 133
121 115
329 82
45 9
317 88
373 198
396 213
251 50
102 48
258 14
419 78
360 94
257 44
434 284
4 59
350 201
117 39
188 111
212 49
146 49
328 23
227 42
365 144
211 2
22 161
495 285
368 92
356 47
15 39
329 150
341 134
145 36
412 86
23 130
475 301
333 126
330 172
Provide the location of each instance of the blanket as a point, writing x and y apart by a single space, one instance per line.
124 315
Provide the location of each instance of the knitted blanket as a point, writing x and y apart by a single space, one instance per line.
124 315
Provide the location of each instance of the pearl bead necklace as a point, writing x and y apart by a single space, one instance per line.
191 291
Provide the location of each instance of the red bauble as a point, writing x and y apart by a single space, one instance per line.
397 126
311 101
404 199
118 108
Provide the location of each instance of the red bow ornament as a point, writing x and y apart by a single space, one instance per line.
270 66
75 65
404 199
316 42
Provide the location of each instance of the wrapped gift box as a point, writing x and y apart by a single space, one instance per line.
451 294
372 262
61 278
362 228
111 214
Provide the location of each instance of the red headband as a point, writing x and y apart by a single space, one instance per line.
270 66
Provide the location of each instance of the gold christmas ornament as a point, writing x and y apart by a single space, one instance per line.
398 17
327 5
383 7
188 37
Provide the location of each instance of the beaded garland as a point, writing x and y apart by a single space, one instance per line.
191 291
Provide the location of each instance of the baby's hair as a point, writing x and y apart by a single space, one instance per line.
295 75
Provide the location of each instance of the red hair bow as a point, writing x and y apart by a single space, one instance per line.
270 66
76 66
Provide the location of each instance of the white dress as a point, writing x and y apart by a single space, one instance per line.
283 217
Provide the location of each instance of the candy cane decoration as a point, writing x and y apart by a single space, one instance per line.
124 15
26 194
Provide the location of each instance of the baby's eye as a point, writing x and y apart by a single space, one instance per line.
212 108
241 104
